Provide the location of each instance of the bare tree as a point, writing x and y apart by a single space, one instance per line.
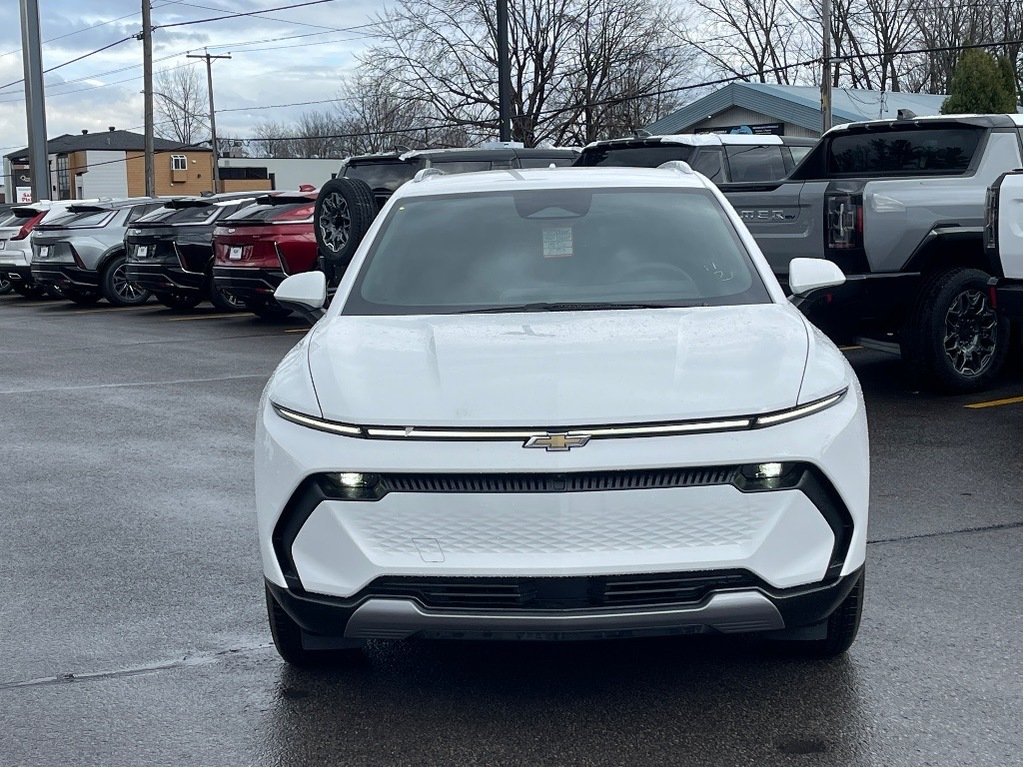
181 105
564 54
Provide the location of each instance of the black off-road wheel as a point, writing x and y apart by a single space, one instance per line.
288 641
179 301
117 288
344 211
955 341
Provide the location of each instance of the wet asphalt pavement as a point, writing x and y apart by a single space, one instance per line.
132 625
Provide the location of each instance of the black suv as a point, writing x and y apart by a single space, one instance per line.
170 250
348 204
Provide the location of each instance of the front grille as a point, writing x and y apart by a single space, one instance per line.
561 593
548 482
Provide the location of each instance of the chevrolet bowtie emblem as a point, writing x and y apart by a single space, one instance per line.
559 441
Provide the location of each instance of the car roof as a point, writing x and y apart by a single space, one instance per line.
984 121
707 140
464 153
437 183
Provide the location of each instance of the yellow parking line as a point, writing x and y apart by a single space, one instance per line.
994 403
850 347
221 316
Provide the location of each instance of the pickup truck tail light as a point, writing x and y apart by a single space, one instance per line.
990 234
844 221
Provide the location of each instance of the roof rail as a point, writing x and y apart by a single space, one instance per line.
678 166
425 173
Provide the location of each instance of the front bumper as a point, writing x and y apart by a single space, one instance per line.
248 284
327 560
723 609
164 278
65 275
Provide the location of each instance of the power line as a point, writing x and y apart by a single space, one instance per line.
246 13
72 61
286 21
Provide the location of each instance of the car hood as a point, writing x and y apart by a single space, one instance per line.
558 368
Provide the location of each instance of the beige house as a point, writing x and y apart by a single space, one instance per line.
112 164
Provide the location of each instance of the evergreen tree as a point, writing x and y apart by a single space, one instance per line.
979 85
1010 81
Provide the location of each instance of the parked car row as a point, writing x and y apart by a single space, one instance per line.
902 206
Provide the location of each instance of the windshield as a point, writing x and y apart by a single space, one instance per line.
188 214
558 249
81 217
634 157
385 176
284 208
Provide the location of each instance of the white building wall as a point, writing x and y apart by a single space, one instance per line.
288 173
107 176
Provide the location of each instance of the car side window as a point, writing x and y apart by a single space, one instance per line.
754 162
141 210
709 163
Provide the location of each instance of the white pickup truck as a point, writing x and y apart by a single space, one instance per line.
899 205
1004 242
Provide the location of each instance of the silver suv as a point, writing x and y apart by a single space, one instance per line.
82 251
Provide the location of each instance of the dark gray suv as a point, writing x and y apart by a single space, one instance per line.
82 251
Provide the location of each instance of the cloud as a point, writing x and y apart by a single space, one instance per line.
104 89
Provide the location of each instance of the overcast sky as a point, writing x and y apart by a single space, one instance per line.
91 94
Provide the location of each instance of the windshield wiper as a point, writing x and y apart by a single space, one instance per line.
568 306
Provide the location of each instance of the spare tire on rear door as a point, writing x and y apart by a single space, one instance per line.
345 208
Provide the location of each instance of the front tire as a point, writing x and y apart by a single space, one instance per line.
288 640
841 627
118 289
955 340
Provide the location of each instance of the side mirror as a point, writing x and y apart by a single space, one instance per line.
304 293
809 275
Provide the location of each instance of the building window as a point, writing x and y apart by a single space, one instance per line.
179 163
63 178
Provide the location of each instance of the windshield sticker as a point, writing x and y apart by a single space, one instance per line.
557 242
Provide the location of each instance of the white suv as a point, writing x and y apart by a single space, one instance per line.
559 404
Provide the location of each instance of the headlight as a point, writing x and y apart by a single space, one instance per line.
351 486
768 476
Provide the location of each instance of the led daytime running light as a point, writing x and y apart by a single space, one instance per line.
485 433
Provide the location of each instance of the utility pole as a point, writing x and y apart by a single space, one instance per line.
826 65
39 158
213 117
504 76
147 90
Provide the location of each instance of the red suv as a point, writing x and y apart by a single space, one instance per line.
260 245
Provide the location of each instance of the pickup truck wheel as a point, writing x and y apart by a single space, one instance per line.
118 289
955 340
345 208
